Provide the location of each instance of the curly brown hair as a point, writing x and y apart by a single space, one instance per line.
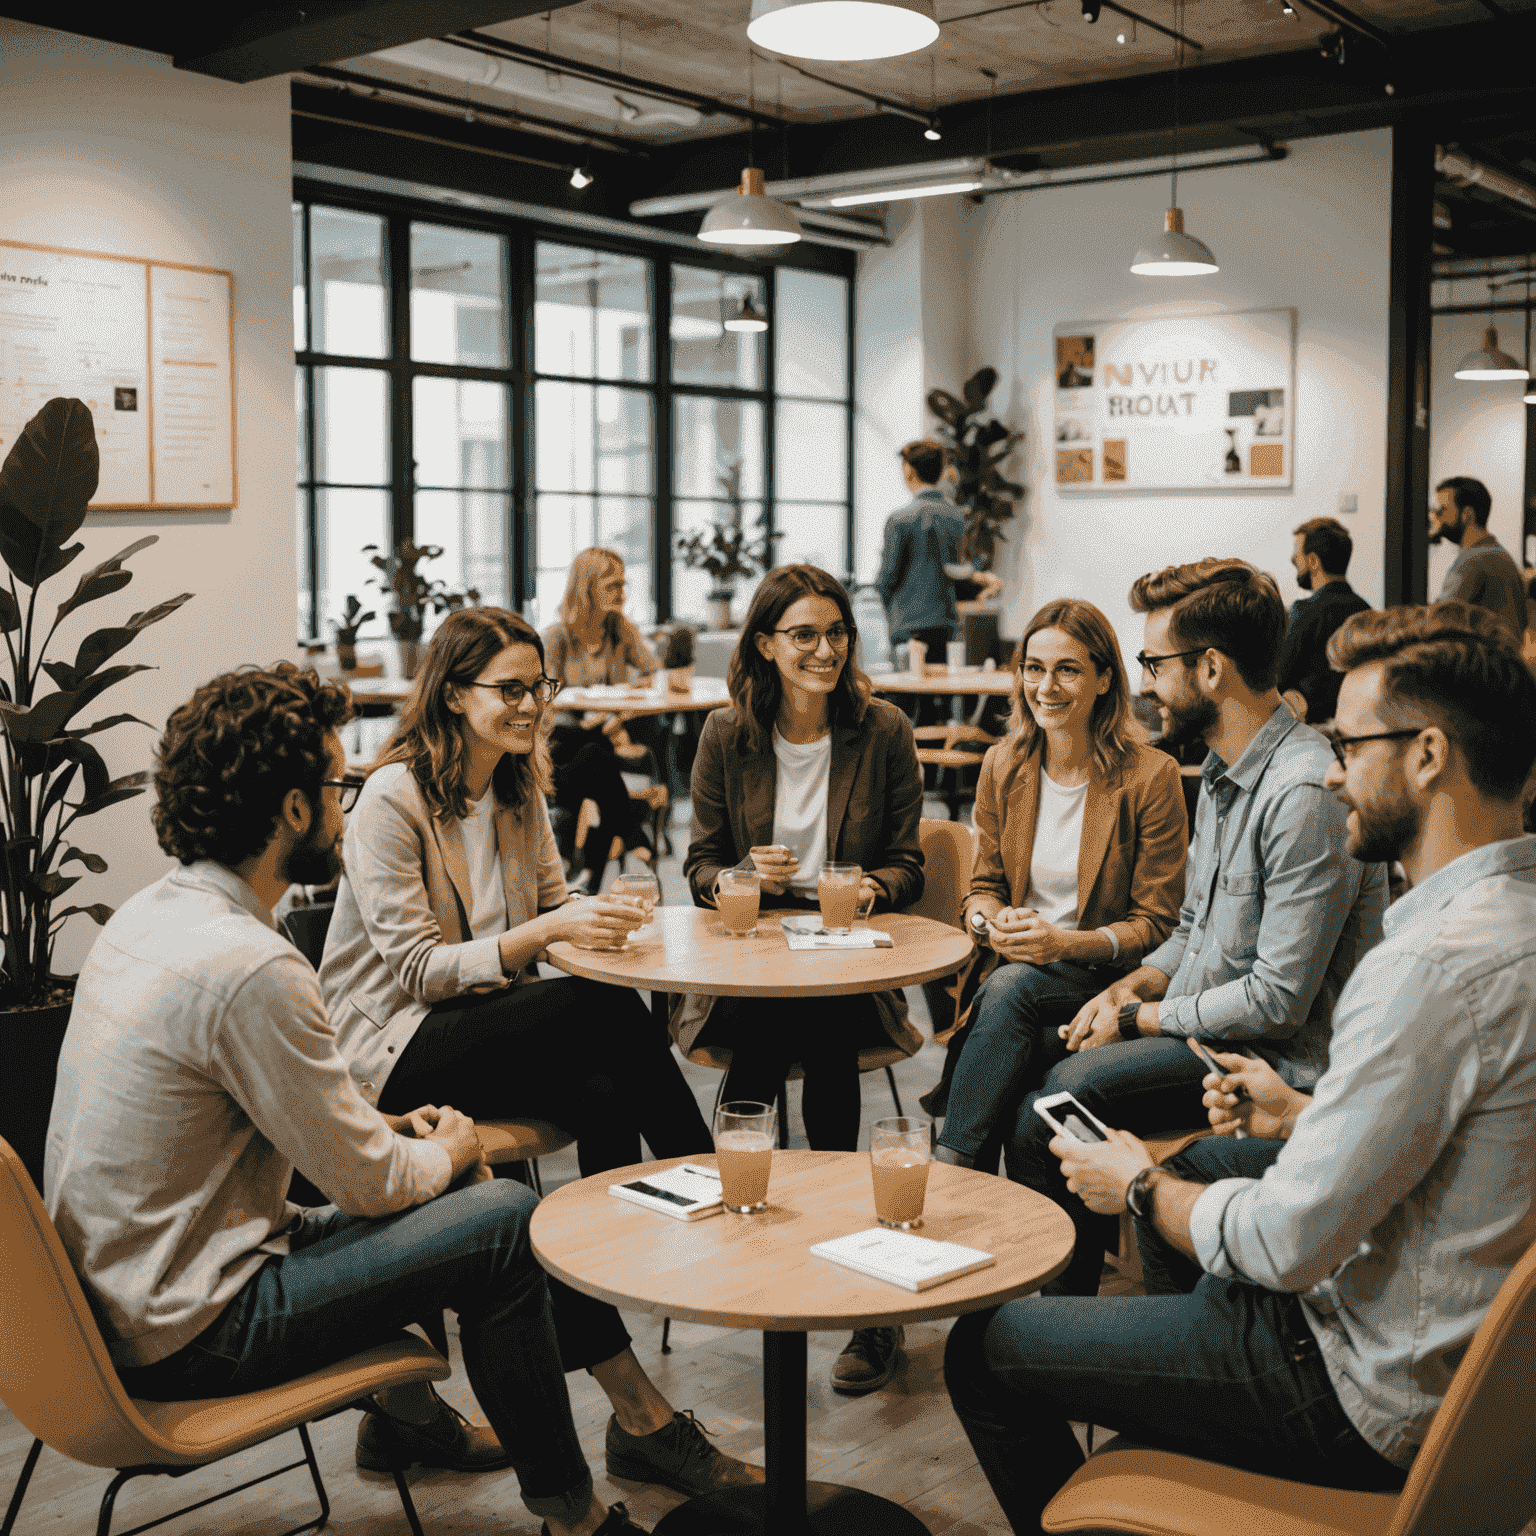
232 752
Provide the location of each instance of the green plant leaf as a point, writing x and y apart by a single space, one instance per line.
98 911
112 797
10 611
97 780
31 560
92 861
58 789
105 578
979 386
102 643
51 472
62 673
106 725
99 682
40 721
52 884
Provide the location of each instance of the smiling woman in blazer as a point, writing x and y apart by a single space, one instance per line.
1079 867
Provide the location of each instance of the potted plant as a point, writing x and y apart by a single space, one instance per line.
413 596
725 550
51 776
346 632
977 449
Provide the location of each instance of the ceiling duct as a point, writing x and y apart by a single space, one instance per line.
1466 172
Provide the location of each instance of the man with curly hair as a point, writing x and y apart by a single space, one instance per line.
199 1070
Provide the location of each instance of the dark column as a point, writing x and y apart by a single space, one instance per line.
1408 340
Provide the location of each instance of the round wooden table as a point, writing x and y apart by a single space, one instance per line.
756 1272
937 679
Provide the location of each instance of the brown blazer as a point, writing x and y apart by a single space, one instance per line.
1130 863
874 805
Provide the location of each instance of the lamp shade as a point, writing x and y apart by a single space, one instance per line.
750 218
747 318
1488 362
1173 253
842 29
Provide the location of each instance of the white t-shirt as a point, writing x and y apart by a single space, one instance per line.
488 912
800 805
1053 864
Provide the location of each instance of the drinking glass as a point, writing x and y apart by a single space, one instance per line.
644 890
899 1151
737 893
744 1132
837 889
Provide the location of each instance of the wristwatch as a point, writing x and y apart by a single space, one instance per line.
1136 1192
1126 1019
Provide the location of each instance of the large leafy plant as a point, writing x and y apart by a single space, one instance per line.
726 550
52 777
978 446
412 595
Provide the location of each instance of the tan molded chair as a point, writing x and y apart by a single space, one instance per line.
57 1378
960 746
1475 1474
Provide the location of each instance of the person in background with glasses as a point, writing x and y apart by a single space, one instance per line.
595 643
451 887
1275 914
805 766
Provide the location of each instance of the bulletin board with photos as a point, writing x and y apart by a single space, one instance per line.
1175 403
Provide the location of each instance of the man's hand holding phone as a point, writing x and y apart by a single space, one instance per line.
1098 1162
1245 1093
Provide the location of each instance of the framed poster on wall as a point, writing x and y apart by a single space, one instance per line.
1176 403
148 346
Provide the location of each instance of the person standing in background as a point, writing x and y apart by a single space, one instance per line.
1321 557
920 540
1484 572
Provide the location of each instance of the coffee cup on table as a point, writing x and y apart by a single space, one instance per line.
917 656
954 655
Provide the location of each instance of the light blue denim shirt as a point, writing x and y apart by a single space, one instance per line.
1407 1191
1276 914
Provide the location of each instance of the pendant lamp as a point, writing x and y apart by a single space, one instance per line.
750 218
1173 253
842 29
747 318
1490 362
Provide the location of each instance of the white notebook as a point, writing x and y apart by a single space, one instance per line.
903 1258
686 1192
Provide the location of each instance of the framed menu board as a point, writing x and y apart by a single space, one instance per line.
148 346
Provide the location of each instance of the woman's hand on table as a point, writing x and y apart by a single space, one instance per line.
776 866
596 922
1020 933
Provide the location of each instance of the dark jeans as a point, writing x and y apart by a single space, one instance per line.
1218 1369
767 1036
1009 1046
348 1283
1138 1085
587 769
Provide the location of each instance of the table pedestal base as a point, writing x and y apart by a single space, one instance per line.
831 1510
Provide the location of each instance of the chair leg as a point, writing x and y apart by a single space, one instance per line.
666 1335
783 1101
397 1465
890 1077
14 1507
436 1331
314 1473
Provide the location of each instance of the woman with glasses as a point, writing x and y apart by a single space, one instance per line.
450 889
1079 871
595 643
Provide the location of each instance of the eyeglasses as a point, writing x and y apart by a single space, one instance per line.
514 691
1151 663
804 638
351 787
1341 744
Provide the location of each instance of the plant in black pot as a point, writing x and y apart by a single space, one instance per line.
352 620
978 446
725 550
412 596
52 777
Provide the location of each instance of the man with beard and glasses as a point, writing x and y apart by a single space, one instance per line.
1311 1293
199 1069
1274 918
1321 558
1484 572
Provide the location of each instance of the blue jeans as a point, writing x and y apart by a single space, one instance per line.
1227 1372
1137 1085
1010 1045
348 1283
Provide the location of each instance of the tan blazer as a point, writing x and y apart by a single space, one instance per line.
1130 862
399 940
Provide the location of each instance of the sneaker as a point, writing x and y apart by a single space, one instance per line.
869 1361
447 1439
618 1521
678 1457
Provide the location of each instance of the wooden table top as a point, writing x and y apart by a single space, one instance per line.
705 693
691 952
937 679
755 1271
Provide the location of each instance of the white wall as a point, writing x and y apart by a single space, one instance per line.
1311 232
111 149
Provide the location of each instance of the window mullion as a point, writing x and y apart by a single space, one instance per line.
401 436
661 371
771 414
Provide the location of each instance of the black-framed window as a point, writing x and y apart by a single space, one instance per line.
515 393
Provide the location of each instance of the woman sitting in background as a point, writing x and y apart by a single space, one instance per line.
1079 871
595 644
430 984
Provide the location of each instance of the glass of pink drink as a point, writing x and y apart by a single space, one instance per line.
837 889
737 892
744 1154
899 1152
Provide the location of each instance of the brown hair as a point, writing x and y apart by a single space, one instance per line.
925 459
232 752
1227 605
430 737
1110 726
1329 540
578 608
1455 663
753 679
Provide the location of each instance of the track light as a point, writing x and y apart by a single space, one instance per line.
1119 37
1286 8
581 176
627 109
932 130
1091 9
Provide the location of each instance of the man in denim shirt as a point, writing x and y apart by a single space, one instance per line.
1275 916
1310 1298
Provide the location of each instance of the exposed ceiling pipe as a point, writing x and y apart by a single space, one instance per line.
1466 172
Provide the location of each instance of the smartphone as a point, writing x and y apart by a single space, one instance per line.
1215 1066
1066 1116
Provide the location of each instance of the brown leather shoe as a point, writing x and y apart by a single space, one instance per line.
616 1524
677 1456
447 1439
